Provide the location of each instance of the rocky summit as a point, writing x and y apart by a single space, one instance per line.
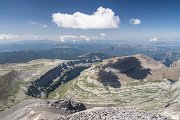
69 110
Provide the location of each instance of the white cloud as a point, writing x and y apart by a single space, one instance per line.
102 18
65 37
84 37
153 39
3 36
39 24
73 38
7 36
135 21
103 34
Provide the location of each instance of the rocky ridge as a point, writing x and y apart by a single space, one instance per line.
41 87
38 109
32 108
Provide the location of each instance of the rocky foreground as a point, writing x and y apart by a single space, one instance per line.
38 109
115 113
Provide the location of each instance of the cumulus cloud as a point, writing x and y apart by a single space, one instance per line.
101 19
7 36
39 24
73 38
135 21
3 36
153 39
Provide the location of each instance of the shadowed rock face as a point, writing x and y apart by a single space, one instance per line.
139 73
129 66
126 64
109 79
47 83
137 67
132 67
66 107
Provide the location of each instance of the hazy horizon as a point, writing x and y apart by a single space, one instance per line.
102 20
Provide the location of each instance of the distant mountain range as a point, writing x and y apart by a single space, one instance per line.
27 51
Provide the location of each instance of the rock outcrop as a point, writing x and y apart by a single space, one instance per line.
32 108
38 109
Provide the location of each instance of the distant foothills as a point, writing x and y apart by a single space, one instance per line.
24 51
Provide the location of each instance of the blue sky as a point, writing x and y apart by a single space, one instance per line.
32 19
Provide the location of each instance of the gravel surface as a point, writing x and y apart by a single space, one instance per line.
115 113
38 109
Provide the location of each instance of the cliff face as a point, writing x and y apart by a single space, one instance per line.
52 79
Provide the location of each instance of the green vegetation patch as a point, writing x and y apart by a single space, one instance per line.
61 90
8 90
